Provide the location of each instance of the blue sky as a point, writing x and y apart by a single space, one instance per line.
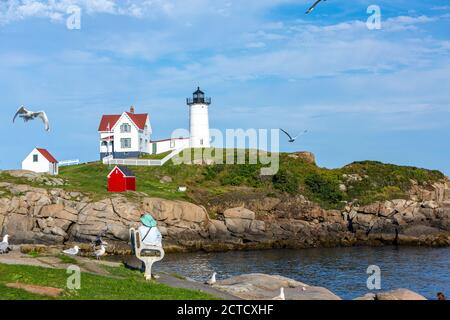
362 94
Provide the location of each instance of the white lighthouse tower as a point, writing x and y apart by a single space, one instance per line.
199 119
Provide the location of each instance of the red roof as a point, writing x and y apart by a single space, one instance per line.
139 120
47 155
108 121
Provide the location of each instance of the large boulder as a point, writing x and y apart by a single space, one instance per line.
266 287
238 226
171 212
399 294
239 213
19 227
305 156
125 209
51 210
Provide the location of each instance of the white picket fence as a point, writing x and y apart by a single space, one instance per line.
140 162
66 163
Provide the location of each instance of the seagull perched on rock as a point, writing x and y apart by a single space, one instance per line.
281 296
313 6
98 240
100 252
212 280
292 140
27 115
72 251
4 245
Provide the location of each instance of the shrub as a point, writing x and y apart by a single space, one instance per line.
324 188
285 181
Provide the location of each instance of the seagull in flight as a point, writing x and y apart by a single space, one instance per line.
313 6
292 139
72 251
27 115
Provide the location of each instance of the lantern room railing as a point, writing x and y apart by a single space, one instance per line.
204 100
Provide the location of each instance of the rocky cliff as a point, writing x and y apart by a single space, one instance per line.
55 216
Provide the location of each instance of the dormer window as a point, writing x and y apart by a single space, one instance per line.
125 128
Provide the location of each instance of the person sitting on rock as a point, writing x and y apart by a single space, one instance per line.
149 232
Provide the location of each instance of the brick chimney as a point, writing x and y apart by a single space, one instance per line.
132 109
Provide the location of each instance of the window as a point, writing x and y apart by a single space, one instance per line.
201 142
125 128
125 143
172 143
35 158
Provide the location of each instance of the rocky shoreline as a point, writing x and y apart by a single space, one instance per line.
53 216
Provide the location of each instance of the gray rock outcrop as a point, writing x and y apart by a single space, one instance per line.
266 287
55 216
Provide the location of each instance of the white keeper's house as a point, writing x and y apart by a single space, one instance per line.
128 135
41 161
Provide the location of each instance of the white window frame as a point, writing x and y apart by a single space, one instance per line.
125 143
125 128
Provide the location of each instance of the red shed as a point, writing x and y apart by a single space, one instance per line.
121 179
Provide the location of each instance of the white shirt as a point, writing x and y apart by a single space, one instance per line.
154 237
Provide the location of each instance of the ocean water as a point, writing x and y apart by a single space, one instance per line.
341 270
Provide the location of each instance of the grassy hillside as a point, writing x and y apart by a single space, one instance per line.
130 285
365 182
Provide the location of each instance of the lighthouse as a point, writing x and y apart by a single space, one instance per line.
199 119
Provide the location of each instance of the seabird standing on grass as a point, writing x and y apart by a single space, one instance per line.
4 245
72 251
100 252
313 6
212 280
27 115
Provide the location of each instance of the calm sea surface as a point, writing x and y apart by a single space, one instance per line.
342 270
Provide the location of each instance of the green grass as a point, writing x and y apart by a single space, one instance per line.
93 287
379 181
34 253
156 156
67 259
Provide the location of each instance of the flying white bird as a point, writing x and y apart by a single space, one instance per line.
212 280
27 115
100 252
292 139
72 251
281 296
4 245
313 6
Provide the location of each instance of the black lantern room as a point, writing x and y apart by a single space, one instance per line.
198 97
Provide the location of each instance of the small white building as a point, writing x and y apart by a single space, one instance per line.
167 145
41 161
